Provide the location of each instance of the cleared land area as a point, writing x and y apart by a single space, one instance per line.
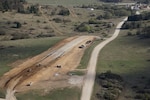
53 66
127 56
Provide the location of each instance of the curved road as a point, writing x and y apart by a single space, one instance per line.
90 77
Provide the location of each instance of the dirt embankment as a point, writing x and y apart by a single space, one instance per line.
50 67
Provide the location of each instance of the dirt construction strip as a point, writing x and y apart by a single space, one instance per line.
51 65
90 77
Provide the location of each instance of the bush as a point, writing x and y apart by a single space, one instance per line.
16 25
107 15
111 86
2 32
64 12
84 28
129 34
45 35
57 20
17 36
131 25
100 17
38 21
93 21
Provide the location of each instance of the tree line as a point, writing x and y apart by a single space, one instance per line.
144 16
6 5
18 5
139 23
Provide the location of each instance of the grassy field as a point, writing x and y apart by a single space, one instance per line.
59 94
63 2
87 54
129 57
22 49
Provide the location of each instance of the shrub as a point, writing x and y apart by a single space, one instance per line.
129 34
38 21
84 28
17 36
57 20
2 32
32 29
66 20
45 35
131 25
16 25
107 15
100 17
93 21
64 12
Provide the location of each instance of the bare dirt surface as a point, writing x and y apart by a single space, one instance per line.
90 77
47 70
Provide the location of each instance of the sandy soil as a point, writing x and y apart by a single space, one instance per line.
42 70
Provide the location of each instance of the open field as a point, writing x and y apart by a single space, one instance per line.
127 56
58 94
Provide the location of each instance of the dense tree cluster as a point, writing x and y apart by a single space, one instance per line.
114 11
144 16
111 86
144 1
131 25
32 9
6 5
83 27
18 5
64 12
139 22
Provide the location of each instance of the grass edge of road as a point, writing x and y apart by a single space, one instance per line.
67 93
87 54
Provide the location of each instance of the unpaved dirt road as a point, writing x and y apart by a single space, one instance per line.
90 77
9 95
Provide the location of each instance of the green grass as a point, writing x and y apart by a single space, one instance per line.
59 94
87 54
2 94
123 54
79 73
21 49
63 2
127 56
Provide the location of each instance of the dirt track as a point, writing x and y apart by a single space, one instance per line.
90 77
43 67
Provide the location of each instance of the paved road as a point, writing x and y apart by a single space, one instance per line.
90 77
